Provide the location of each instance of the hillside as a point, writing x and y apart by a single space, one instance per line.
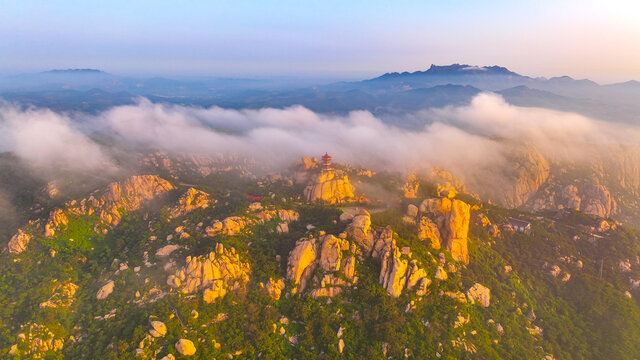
189 259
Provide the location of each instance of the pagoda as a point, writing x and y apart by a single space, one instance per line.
326 162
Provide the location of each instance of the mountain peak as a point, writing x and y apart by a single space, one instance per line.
456 69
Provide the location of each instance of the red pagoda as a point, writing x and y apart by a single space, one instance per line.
326 162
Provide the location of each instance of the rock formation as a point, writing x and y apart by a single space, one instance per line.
331 255
329 187
452 218
216 274
398 271
191 200
19 242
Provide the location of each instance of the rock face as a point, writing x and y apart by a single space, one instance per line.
105 290
452 218
185 347
329 187
191 200
530 171
108 204
216 274
480 294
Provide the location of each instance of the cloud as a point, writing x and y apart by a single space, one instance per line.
46 139
280 136
476 142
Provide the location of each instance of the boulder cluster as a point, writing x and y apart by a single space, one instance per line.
335 258
234 225
35 341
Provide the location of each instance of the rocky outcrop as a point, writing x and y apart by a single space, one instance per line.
105 290
329 187
273 288
398 271
62 296
57 219
302 260
191 200
586 194
480 294
35 341
308 163
108 204
215 274
232 225
359 231
452 218
329 254
19 242
411 186
158 329
185 347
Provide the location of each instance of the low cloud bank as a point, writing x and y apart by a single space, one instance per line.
472 141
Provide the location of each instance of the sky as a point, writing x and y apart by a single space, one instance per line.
334 39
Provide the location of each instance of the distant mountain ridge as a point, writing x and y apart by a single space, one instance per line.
391 93
74 71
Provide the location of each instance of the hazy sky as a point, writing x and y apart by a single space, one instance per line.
351 39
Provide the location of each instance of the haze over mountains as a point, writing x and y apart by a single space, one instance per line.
388 95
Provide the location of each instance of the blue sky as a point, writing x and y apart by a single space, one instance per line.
338 39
